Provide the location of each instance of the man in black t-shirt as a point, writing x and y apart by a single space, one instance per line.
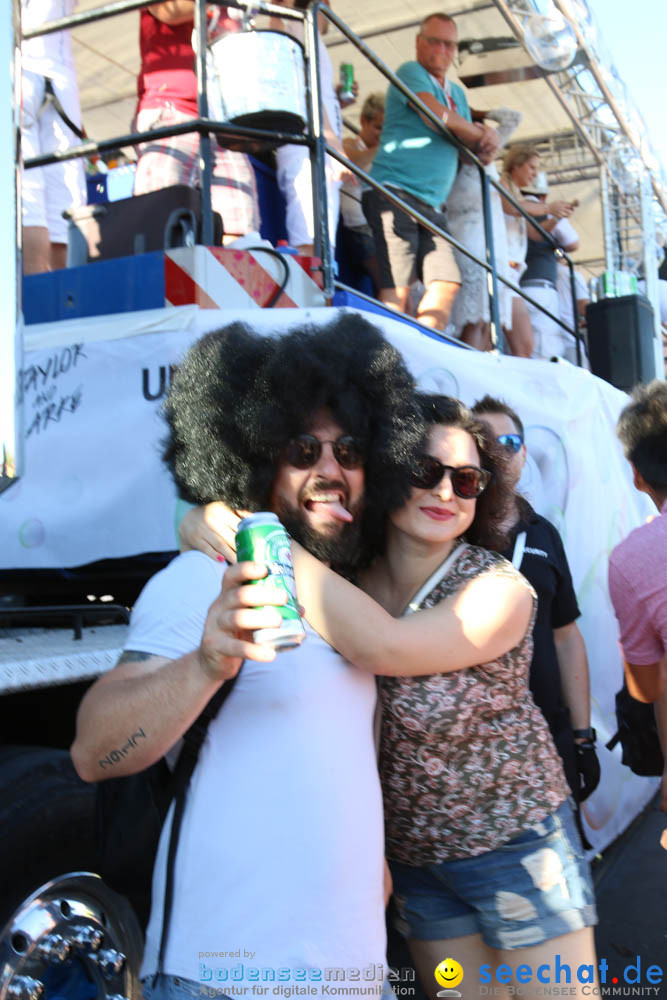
559 679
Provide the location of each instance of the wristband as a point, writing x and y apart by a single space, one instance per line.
587 734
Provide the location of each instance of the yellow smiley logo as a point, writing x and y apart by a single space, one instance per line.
448 973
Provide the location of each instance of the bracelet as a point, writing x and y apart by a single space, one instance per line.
444 116
587 734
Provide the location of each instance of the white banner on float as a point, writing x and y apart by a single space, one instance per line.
95 486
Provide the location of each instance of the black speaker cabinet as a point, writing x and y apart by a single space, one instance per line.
620 340
159 220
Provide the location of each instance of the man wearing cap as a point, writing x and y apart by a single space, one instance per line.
418 163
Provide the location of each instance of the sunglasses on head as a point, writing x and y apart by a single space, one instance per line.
510 442
468 482
304 451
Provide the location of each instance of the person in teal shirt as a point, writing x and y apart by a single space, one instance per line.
419 163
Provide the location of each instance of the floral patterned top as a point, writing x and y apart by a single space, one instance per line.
466 758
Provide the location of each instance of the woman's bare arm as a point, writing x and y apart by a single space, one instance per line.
484 619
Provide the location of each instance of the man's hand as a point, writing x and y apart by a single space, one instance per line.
240 610
488 145
345 102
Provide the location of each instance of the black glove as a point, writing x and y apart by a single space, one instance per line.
588 767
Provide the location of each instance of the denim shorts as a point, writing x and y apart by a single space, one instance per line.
163 987
535 887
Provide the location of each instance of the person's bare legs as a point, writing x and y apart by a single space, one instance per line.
58 254
469 951
574 950
520 337
436 304
477 335
395 298
36 250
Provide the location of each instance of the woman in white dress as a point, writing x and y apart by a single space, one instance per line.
520 168
471 311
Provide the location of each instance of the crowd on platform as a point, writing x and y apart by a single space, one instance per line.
405 264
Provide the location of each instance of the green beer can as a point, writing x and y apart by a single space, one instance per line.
261 538
346 82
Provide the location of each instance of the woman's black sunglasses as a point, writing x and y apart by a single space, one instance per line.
304 451
468 482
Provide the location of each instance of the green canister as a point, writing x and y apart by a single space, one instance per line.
261 538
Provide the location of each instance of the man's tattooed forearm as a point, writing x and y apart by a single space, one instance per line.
115 756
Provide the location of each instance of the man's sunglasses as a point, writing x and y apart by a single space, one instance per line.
510 442
468 482
304 451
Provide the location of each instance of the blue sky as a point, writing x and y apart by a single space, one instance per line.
635 35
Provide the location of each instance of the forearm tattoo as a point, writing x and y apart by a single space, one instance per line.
115 756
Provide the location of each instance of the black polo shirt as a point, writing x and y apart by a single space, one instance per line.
544 565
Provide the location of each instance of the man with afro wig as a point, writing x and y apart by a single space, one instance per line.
279 870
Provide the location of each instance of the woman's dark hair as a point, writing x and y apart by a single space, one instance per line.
239 397
495 502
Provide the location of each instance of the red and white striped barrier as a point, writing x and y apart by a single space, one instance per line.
219 277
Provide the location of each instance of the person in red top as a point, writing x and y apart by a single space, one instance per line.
167 89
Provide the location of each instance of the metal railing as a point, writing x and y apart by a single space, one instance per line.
486 183
315 140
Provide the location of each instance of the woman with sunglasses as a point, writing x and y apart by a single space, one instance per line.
480 835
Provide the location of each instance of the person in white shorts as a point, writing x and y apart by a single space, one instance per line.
48 69
293 162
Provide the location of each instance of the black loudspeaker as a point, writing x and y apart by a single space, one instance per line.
620 340
159 220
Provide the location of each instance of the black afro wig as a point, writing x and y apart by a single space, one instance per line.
238 398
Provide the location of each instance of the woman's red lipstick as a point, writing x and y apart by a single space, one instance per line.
437 513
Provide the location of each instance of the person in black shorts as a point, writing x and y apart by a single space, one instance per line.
418 164
559 678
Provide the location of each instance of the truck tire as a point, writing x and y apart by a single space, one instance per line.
47 819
